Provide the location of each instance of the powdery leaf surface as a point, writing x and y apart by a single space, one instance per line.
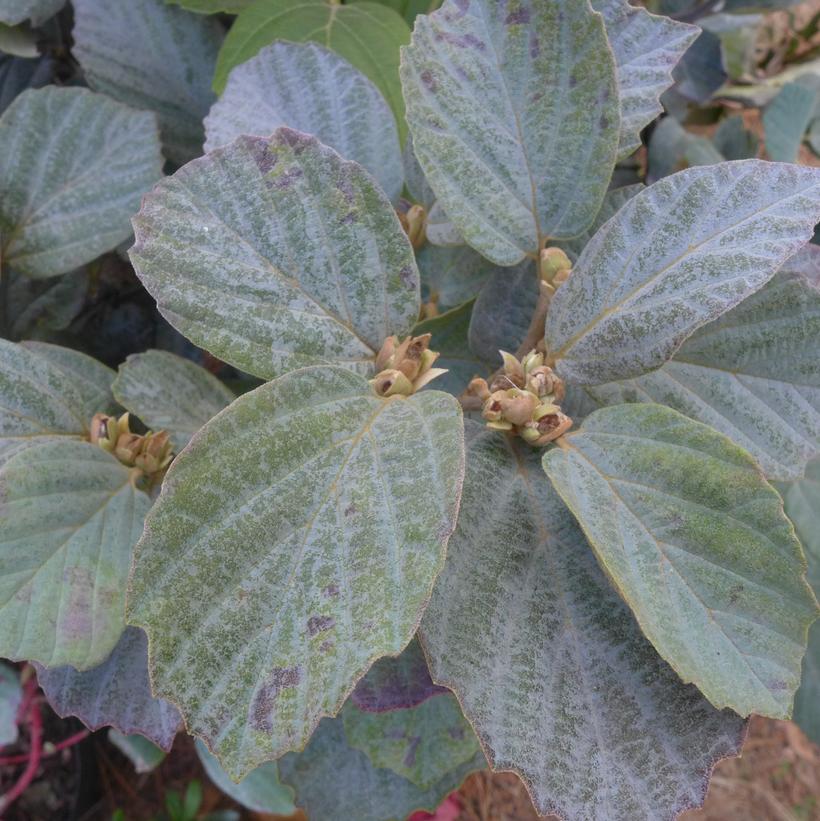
753 374
697 544
274 253
310 89
170 393
69 519
116 693
74 166
295 541
646 47
150 55
548 663
514 113
41 398
367 35
676 256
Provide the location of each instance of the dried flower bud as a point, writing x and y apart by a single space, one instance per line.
518 406
478 387
392 382
554 263
513 369
532 360
546 429
415 225
156 453
128 448
388 349
493 409
543 381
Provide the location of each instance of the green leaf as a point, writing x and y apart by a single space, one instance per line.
13 12
259 791
142 753
419 743
753 374
367 35
168 72
16 75
41 401
449 332
296 540
74 166
676 256
20 41
275 253
734 141
212 6
453 275
410 9
308 88
37 307
646 49
786 119
503 310
11 695
116 693
70 518
697 544
548 663
515 118
672 148
803 508
332 781
170 393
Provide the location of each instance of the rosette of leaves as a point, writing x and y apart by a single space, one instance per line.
72 511
605 628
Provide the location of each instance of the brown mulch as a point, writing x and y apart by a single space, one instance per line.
776 779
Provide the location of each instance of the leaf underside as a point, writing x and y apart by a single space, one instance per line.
70 518
676 256
274 253
514 113
697 544
548 663
295 541
310 89
116 693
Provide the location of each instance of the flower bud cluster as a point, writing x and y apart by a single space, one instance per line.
151 453
405 367
524 399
